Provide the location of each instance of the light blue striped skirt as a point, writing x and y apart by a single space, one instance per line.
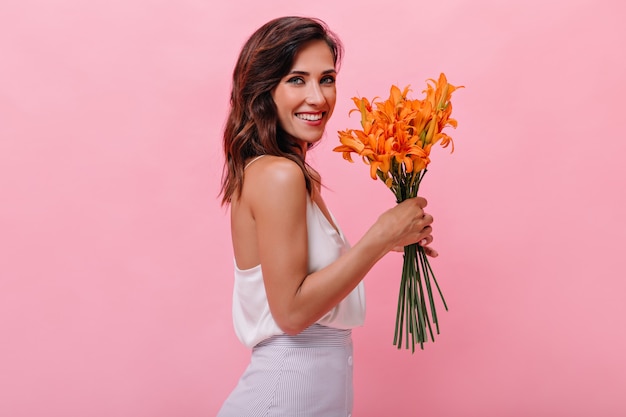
306 375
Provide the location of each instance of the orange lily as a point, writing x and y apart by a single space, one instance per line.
400 129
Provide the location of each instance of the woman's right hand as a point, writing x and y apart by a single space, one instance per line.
407 223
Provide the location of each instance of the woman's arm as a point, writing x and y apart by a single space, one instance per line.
277 197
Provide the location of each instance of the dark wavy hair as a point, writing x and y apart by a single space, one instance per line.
252 126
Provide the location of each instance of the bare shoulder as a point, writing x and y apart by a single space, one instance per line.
273 176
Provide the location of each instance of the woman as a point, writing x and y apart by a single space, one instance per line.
298 288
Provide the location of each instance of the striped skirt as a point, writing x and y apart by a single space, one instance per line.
306 375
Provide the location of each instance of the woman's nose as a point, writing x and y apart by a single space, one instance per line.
315 95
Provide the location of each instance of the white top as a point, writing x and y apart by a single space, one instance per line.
251 313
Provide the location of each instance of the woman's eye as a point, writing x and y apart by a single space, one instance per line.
328 80
296 80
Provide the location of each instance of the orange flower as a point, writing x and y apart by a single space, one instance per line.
398 133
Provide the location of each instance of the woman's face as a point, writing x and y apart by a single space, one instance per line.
305 98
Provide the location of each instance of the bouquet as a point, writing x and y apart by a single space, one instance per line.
395 140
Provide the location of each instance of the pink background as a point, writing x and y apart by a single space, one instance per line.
115 258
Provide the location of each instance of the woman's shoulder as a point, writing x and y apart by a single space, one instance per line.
272 174
276 162
276 170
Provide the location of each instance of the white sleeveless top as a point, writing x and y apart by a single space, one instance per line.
251 313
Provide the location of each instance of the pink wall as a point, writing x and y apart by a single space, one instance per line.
115 259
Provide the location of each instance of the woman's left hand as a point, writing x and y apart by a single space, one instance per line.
424 244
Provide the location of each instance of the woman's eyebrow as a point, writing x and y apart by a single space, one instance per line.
298 72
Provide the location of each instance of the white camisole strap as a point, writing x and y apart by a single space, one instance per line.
256 158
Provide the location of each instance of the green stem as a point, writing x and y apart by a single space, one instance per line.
397 338
418 300
412 315
437 285
430 296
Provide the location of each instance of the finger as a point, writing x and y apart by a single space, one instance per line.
426 232
431 252
421 201
426 241
422 221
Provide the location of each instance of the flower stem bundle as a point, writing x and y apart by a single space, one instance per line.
395 140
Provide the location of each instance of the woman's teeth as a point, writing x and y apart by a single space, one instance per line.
309 117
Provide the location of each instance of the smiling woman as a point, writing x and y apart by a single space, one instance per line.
298 287
305 98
